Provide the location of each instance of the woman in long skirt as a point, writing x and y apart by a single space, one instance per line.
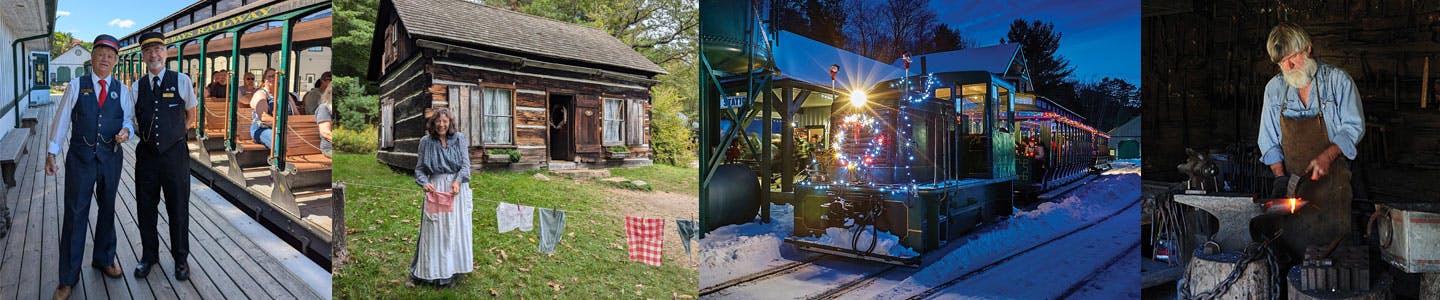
443 249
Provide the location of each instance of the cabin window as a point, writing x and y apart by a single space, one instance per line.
498 115
635 122
390 40
614 123
387 123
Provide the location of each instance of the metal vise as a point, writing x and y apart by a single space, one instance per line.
1202 171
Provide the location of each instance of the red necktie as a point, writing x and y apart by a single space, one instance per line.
102 93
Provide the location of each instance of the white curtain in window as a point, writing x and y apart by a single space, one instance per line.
497 116
635 122
614 124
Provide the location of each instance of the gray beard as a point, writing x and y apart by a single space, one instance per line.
1302 77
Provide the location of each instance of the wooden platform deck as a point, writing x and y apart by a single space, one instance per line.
231 256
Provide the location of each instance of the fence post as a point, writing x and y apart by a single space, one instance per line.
337 233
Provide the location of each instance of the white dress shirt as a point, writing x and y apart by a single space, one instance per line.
182 82
60 129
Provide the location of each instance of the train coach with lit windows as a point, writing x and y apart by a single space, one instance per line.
1055 149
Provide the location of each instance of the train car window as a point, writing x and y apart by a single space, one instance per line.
1002 112
227 5
973 107
943 93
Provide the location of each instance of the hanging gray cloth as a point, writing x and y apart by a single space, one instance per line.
552 228
687 228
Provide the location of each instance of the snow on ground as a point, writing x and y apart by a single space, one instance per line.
886 244
734 251
1120 281
1084 205
1049 271
737 250
1124 166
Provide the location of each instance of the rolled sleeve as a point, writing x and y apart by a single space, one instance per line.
1268 139
1349 117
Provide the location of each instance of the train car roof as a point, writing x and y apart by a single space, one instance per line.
473 23
995 59
803 59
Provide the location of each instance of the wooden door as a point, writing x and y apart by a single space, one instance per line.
587 124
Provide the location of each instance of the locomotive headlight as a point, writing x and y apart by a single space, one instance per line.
857 98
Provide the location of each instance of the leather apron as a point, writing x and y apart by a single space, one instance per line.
1326 213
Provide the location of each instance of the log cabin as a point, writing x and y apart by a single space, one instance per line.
528 92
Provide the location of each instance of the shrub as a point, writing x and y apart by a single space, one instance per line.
351 141
356 109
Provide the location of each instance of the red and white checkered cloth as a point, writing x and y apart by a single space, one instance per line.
644 236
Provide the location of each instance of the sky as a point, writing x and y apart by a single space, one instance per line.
1101 38
89 18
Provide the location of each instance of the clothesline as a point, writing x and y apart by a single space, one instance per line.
421 193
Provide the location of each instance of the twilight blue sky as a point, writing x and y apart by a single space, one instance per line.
1101 38
89 18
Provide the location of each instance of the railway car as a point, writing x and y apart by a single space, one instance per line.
286 187
1055 149
925 159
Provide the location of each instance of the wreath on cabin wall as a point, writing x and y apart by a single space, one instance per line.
564 117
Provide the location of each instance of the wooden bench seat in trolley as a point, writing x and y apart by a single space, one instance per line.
305 165
213 137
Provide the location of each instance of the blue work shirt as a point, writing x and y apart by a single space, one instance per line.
1332 92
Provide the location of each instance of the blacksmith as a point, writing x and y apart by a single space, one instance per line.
1310 118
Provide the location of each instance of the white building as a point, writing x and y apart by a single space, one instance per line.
21 19
68 65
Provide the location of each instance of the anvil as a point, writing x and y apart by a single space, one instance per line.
1234 212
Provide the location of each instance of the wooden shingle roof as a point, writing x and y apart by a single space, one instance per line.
468 22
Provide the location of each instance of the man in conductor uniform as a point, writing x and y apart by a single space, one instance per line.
94 117
163 100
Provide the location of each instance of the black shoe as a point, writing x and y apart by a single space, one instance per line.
182 272
143 269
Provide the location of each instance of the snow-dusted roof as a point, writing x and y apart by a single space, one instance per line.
1129 129
807 60
994 59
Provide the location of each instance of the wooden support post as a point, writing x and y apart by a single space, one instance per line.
1425 85
337 227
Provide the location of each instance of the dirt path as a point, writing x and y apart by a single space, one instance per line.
669 206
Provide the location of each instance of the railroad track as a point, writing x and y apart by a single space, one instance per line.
1079 284
768 273
936 289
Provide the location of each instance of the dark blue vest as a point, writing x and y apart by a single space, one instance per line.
93 127
161 114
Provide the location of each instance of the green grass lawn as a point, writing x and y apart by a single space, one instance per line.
590 262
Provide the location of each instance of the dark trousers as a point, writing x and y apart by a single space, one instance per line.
169 172
87 178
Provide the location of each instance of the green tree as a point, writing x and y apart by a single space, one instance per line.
60 42
354 25
356 107
1048 71
1107 103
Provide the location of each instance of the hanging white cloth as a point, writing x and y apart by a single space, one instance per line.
510 216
